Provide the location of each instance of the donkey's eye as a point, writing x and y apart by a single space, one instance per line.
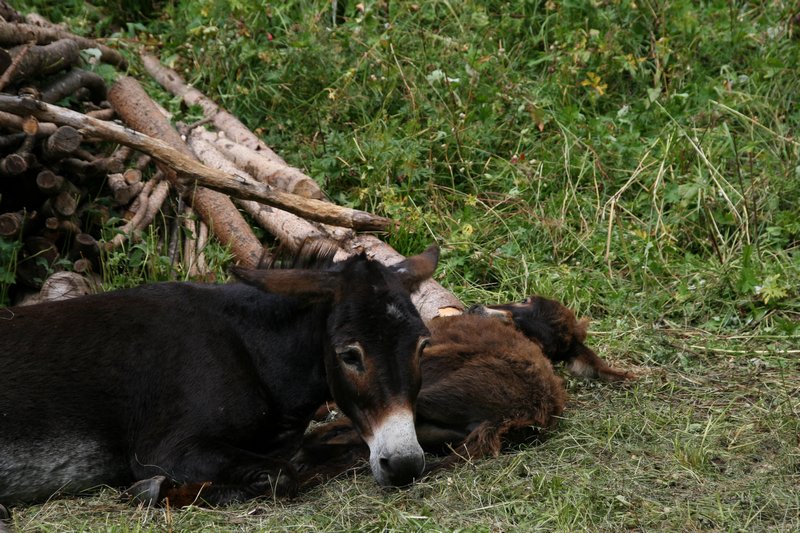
352 356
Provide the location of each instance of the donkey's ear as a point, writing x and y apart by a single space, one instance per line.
313 284
503 315
416 269
581 329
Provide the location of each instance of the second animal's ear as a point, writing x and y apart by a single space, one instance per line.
416 269
585 363
581 329
503 315
303 283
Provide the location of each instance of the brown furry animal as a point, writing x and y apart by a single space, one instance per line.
554 327
483 379
487 380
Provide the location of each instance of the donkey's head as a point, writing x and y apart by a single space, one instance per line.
372 359
545 321
558 332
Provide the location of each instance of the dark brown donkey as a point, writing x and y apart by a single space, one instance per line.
561 336
487 380
203 383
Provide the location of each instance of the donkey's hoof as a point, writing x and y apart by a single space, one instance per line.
285 485
282 483
146 491
5 520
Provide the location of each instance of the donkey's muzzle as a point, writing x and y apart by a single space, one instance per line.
396 458
402 470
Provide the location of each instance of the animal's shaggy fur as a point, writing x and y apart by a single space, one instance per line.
487 381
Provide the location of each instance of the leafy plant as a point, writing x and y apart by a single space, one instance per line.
9 251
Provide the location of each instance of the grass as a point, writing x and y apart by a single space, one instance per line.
637 160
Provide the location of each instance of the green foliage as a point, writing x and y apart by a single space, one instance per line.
609 147
9 251
150 259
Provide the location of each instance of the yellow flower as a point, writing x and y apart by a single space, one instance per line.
595 82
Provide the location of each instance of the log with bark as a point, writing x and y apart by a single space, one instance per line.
288 228
235 185
136 109
264 169
42 60
73 81
45 206
52 157
16 122
223 120
8 13
142 212
14 33
431 299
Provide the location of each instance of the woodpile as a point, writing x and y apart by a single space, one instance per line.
86 167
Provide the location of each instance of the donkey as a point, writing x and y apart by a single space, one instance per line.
561 336
211 384
487 380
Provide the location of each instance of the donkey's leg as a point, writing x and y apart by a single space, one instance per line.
327 451
153 490
221 474
6 523
147 491
259 483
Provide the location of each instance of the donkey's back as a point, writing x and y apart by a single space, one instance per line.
86 380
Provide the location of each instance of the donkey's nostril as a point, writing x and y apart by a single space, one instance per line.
401 470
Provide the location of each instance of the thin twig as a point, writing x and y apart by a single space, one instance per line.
12 68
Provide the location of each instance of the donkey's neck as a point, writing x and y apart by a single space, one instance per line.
287 342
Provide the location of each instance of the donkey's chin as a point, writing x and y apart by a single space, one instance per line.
395 456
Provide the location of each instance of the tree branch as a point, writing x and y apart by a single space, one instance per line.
235 185
14 33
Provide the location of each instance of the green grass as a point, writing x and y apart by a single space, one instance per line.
637 160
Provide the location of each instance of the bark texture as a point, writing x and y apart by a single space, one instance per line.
223 120
137 110
14 33
235 185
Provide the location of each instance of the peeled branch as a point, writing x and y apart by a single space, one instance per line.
266 170
235 185
223 120
286 227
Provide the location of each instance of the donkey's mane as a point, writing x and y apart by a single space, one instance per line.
312 254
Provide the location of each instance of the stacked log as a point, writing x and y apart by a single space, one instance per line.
66 170
50 175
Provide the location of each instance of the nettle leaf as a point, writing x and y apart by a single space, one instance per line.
773 289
